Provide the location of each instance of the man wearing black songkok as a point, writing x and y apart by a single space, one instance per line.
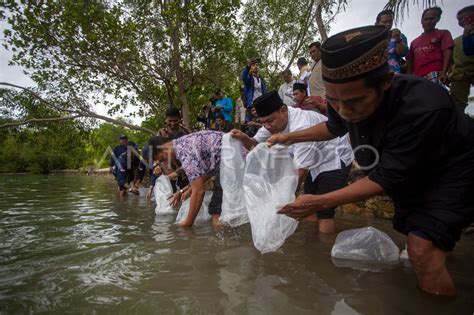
409 138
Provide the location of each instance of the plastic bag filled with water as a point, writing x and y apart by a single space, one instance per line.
365 244
203 215
162 191
234 212
270 182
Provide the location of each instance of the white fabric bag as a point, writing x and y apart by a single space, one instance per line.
366 244
162 191
232 167
270 182
203 215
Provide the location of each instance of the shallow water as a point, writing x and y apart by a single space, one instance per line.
71 245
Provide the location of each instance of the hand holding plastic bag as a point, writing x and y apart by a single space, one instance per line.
203 214
270 181
234 212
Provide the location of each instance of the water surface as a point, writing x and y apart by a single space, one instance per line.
69 244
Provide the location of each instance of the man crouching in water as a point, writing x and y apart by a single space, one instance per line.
322 166
411 140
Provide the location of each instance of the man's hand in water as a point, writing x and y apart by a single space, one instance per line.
186 194
175 199
150 192
303 207
279 138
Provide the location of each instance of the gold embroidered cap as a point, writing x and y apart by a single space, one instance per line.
349 55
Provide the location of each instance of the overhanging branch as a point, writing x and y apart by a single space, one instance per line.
37 120
75 113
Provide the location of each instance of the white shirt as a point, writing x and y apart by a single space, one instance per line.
316 83
257 88
286 93
317 157
305 74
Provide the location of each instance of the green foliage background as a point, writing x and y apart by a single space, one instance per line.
147 54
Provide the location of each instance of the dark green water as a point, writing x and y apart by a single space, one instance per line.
70 245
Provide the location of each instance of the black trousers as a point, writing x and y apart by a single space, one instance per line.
325 183
215 205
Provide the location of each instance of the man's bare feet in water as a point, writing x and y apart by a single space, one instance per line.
216 222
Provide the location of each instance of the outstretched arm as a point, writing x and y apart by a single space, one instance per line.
306 205
195 203
247 142
319 132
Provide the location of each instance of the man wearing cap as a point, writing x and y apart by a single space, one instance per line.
306 102
123 163
173 123
410 140
254 85
323 166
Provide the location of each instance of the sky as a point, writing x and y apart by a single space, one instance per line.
358 13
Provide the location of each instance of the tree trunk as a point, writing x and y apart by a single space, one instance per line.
319 22
301 37
176 58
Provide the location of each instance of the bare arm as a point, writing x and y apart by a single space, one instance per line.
318 132
306 205
195 203
400 48
447 54
302 173
247 142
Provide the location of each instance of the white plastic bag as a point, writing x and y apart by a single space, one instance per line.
270 182
203 215
365 244
162 191
234 212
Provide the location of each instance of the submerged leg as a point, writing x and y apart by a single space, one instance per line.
429 263
215 205
327 226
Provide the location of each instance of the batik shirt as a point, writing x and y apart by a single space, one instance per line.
199 153
393 59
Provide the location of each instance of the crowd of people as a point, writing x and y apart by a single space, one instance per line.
408 133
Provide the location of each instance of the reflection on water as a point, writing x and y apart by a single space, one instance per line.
71 244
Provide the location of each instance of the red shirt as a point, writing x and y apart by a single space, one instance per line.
313 103
426 51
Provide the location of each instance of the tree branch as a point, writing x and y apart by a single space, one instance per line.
35 120
80 113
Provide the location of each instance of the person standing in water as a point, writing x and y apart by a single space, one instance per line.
199 155
409 138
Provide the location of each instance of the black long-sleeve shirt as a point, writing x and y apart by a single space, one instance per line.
425 147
